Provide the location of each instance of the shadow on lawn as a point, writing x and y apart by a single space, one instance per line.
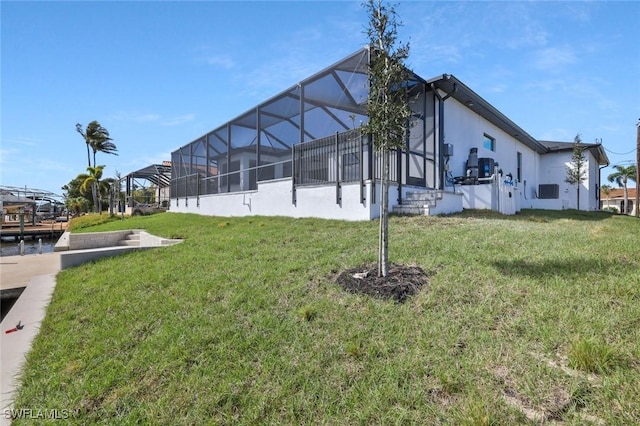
559 268
533 215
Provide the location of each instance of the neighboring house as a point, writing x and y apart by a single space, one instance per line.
147 187
615 199
300 154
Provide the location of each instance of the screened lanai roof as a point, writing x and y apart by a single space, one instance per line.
332 100
158 174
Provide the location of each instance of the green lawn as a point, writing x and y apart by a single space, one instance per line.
526 319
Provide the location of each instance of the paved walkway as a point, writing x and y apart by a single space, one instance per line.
36 272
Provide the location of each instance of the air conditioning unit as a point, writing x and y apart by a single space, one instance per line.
549 191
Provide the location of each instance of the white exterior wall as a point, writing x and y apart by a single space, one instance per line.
449 203
553 170
592 201
464 129
499 196
274 198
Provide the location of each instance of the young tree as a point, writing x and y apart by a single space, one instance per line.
621 176
577 168
388 105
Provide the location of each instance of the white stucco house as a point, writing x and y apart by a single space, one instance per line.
615 200
300 154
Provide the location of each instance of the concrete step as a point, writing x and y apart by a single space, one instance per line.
131 240
429 195
418 202
129 243
409 210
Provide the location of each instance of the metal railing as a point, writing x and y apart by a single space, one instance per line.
196 184
341 158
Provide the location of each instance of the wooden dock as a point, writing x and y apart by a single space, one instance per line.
48 229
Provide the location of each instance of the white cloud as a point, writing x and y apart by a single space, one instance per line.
225 61
175 121
547 85
497 88
578 11
6 156
553 59
138 118
135 117
21 140
157 158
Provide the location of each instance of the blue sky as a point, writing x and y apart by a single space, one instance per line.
160 74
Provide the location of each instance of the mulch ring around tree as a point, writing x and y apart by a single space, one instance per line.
402 281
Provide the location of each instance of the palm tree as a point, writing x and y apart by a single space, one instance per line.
97 139
105 146
91 182
621 176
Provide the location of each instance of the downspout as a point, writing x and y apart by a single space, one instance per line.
600 179
600 184
441 137
638 170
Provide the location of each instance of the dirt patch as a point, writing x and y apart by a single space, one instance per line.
402 281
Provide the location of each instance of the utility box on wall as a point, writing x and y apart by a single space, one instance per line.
448 150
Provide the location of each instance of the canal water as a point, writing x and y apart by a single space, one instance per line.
11 247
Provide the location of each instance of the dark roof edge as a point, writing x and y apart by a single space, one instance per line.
464 94
596 148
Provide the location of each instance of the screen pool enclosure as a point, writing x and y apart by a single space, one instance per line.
309 134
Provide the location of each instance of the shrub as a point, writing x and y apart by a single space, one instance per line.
91 219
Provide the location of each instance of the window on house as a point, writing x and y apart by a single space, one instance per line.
519 166
629 208
489 142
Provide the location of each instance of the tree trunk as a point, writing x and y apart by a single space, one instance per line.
578 193
99 198
88 155
111 201
94 192
383 241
